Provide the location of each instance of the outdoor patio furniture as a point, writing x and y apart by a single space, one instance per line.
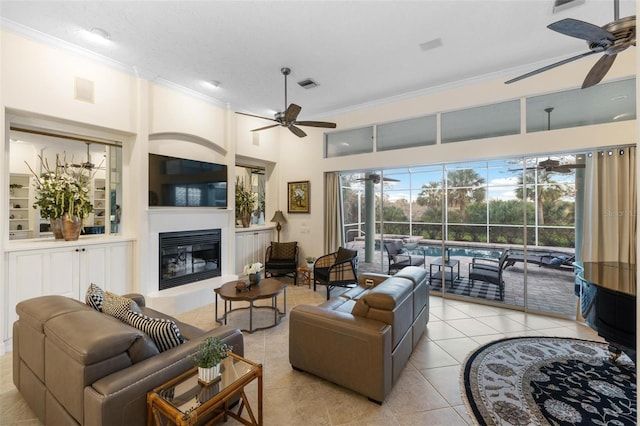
489 270
400 257
549 259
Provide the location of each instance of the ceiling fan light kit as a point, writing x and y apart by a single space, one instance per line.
609 40
289 117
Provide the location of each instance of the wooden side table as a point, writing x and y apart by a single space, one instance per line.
305 276
185 401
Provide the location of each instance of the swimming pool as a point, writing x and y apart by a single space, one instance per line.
436 251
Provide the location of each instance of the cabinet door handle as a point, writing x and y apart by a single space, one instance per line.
84 249
77 250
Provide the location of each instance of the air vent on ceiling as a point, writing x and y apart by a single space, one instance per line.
431 44
308 84
560 5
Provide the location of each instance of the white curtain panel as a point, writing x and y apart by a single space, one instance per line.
610 206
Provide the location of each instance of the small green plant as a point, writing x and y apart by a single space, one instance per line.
310 259
15 186
210 352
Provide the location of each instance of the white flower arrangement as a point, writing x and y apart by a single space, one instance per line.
252 268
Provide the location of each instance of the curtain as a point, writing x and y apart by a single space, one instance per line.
610 206
332 213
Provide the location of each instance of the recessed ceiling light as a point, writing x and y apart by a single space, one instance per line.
211 84
97 35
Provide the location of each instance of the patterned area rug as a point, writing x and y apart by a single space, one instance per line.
462 286
549 380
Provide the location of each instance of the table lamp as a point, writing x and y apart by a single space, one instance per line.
278 217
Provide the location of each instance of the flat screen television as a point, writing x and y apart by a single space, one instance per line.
178 182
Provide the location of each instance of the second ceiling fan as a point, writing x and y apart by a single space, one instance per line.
609 40
289 117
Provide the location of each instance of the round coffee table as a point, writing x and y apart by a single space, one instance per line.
269 288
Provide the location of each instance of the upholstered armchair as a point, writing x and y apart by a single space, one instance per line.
338 269
282 259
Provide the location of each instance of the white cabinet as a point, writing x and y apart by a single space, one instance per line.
66 271
20 212
251 246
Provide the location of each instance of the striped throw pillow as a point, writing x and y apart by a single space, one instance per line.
163 332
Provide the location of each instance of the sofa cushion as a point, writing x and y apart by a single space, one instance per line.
94 297
389 295
164 332
360 308
118 306
283 250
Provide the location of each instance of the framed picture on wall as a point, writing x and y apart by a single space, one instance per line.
298 197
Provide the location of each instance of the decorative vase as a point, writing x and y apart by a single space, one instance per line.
56 227
246 221
254 279
71 227
208 374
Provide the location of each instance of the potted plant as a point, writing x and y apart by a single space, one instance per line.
245 202
210 352
63 196
310 261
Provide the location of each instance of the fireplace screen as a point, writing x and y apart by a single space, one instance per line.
189 256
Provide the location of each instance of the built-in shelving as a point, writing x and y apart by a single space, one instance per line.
20 223
99 202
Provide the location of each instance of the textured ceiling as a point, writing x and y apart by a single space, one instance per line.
358 52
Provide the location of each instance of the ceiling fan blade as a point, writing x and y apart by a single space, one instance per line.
324 124
580 29
548 67
599 70
255 116
291 113
265 127
297 131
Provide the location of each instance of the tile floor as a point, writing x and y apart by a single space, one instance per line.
428 391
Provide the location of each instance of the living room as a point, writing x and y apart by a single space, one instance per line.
148 115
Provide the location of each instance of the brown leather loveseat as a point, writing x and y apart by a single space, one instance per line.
75 365
363 338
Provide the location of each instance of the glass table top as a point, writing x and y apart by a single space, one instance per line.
187 393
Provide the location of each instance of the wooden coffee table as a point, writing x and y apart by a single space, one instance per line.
269 288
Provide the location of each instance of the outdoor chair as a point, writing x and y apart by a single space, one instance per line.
489 270
400 257
548 259
338 269
282 259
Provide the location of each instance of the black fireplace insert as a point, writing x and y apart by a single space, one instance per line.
189 256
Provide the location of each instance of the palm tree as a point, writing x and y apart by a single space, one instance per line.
541 189
466 186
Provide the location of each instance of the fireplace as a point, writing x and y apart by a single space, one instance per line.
188 256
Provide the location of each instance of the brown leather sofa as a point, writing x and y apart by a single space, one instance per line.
77 366
363 338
